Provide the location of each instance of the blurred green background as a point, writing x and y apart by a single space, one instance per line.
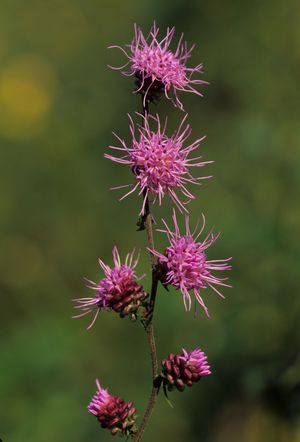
58 106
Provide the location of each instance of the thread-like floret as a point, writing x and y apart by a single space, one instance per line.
184 263
160 163
157 68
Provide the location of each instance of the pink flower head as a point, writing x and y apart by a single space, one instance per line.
185 265
112 412
157 68
184 369
196 362
160 163
118 291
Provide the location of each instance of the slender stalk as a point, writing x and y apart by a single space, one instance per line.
149 324
148 225
152 346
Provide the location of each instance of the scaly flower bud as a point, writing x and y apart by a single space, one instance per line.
113 412
184 369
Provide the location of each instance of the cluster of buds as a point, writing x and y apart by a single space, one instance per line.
113 412
184 369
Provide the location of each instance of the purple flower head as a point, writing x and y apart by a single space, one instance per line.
158 69
160 163
99 400
184 369
118 290
185 265
112 412
196 362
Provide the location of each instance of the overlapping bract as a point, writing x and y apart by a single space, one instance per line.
112 412
184 369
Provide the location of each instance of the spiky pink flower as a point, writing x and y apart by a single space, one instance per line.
157 68
185 265
160 163
184 369
118 291
112 412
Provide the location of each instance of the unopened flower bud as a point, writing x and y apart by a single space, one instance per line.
184 369
113 412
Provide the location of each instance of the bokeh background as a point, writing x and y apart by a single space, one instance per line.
58 105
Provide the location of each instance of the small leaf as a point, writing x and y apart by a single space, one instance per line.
166 397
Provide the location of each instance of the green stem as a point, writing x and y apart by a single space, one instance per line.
149 321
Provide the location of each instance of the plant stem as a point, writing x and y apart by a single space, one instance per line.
149 324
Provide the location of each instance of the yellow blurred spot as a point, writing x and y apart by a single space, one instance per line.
27 89
24 97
